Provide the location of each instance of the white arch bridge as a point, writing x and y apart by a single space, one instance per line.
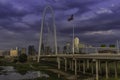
73 61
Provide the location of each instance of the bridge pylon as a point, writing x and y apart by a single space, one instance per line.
41 32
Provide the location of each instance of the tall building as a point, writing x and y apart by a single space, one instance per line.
14 52
31 50
23 50
81 45
4 53
1 52
68 48
76 44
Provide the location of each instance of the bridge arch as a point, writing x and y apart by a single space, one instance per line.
41 32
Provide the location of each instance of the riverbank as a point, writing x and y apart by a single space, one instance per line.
23 68
50 68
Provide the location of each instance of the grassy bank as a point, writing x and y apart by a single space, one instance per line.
43 66
23 68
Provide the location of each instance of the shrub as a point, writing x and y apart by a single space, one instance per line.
22 58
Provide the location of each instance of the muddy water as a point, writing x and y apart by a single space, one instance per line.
9 73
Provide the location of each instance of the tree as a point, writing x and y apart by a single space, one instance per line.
103 45
22 58
47 50
112 45
64 49
31 50
42 48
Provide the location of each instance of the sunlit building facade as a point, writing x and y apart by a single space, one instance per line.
76 44
14 52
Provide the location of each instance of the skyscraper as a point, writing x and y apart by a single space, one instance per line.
76 44
31 50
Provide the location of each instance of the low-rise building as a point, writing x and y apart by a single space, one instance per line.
1 52
23 51
4 52
14 52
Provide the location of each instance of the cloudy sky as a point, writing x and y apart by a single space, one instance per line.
95 21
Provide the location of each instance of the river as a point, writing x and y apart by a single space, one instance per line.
9 73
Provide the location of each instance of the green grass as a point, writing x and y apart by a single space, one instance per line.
23 68
109 79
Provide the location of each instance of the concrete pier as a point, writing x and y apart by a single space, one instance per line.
84 67
79 66
92 67
106 66
99 66
93 62
75 67
116 73
88 64
65 64
97 71
72 65
58 60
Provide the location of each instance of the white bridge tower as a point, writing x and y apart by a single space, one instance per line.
41 32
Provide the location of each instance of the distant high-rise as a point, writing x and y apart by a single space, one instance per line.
14 52
1 52
76 44
68 48
31 50
23 50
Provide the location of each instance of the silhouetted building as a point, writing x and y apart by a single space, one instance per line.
31 50
42 48
67 48
47 50
1 52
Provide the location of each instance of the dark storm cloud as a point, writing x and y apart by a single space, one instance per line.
102 22
7 10
20 20
94 25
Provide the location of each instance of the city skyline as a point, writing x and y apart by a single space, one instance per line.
95 21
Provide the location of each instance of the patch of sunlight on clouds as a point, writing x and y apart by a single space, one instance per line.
109 32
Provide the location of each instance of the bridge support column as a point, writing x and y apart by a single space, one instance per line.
88 64
106 65
72 65
65 64
115 63
99 66
79 65
83 66
58 60
75 67
97 73
92 67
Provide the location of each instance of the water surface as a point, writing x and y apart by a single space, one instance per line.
9 73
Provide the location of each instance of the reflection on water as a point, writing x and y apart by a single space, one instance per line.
9 73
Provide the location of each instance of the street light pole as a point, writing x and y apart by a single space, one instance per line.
71 19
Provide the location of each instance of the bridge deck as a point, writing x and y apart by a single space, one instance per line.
85 56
